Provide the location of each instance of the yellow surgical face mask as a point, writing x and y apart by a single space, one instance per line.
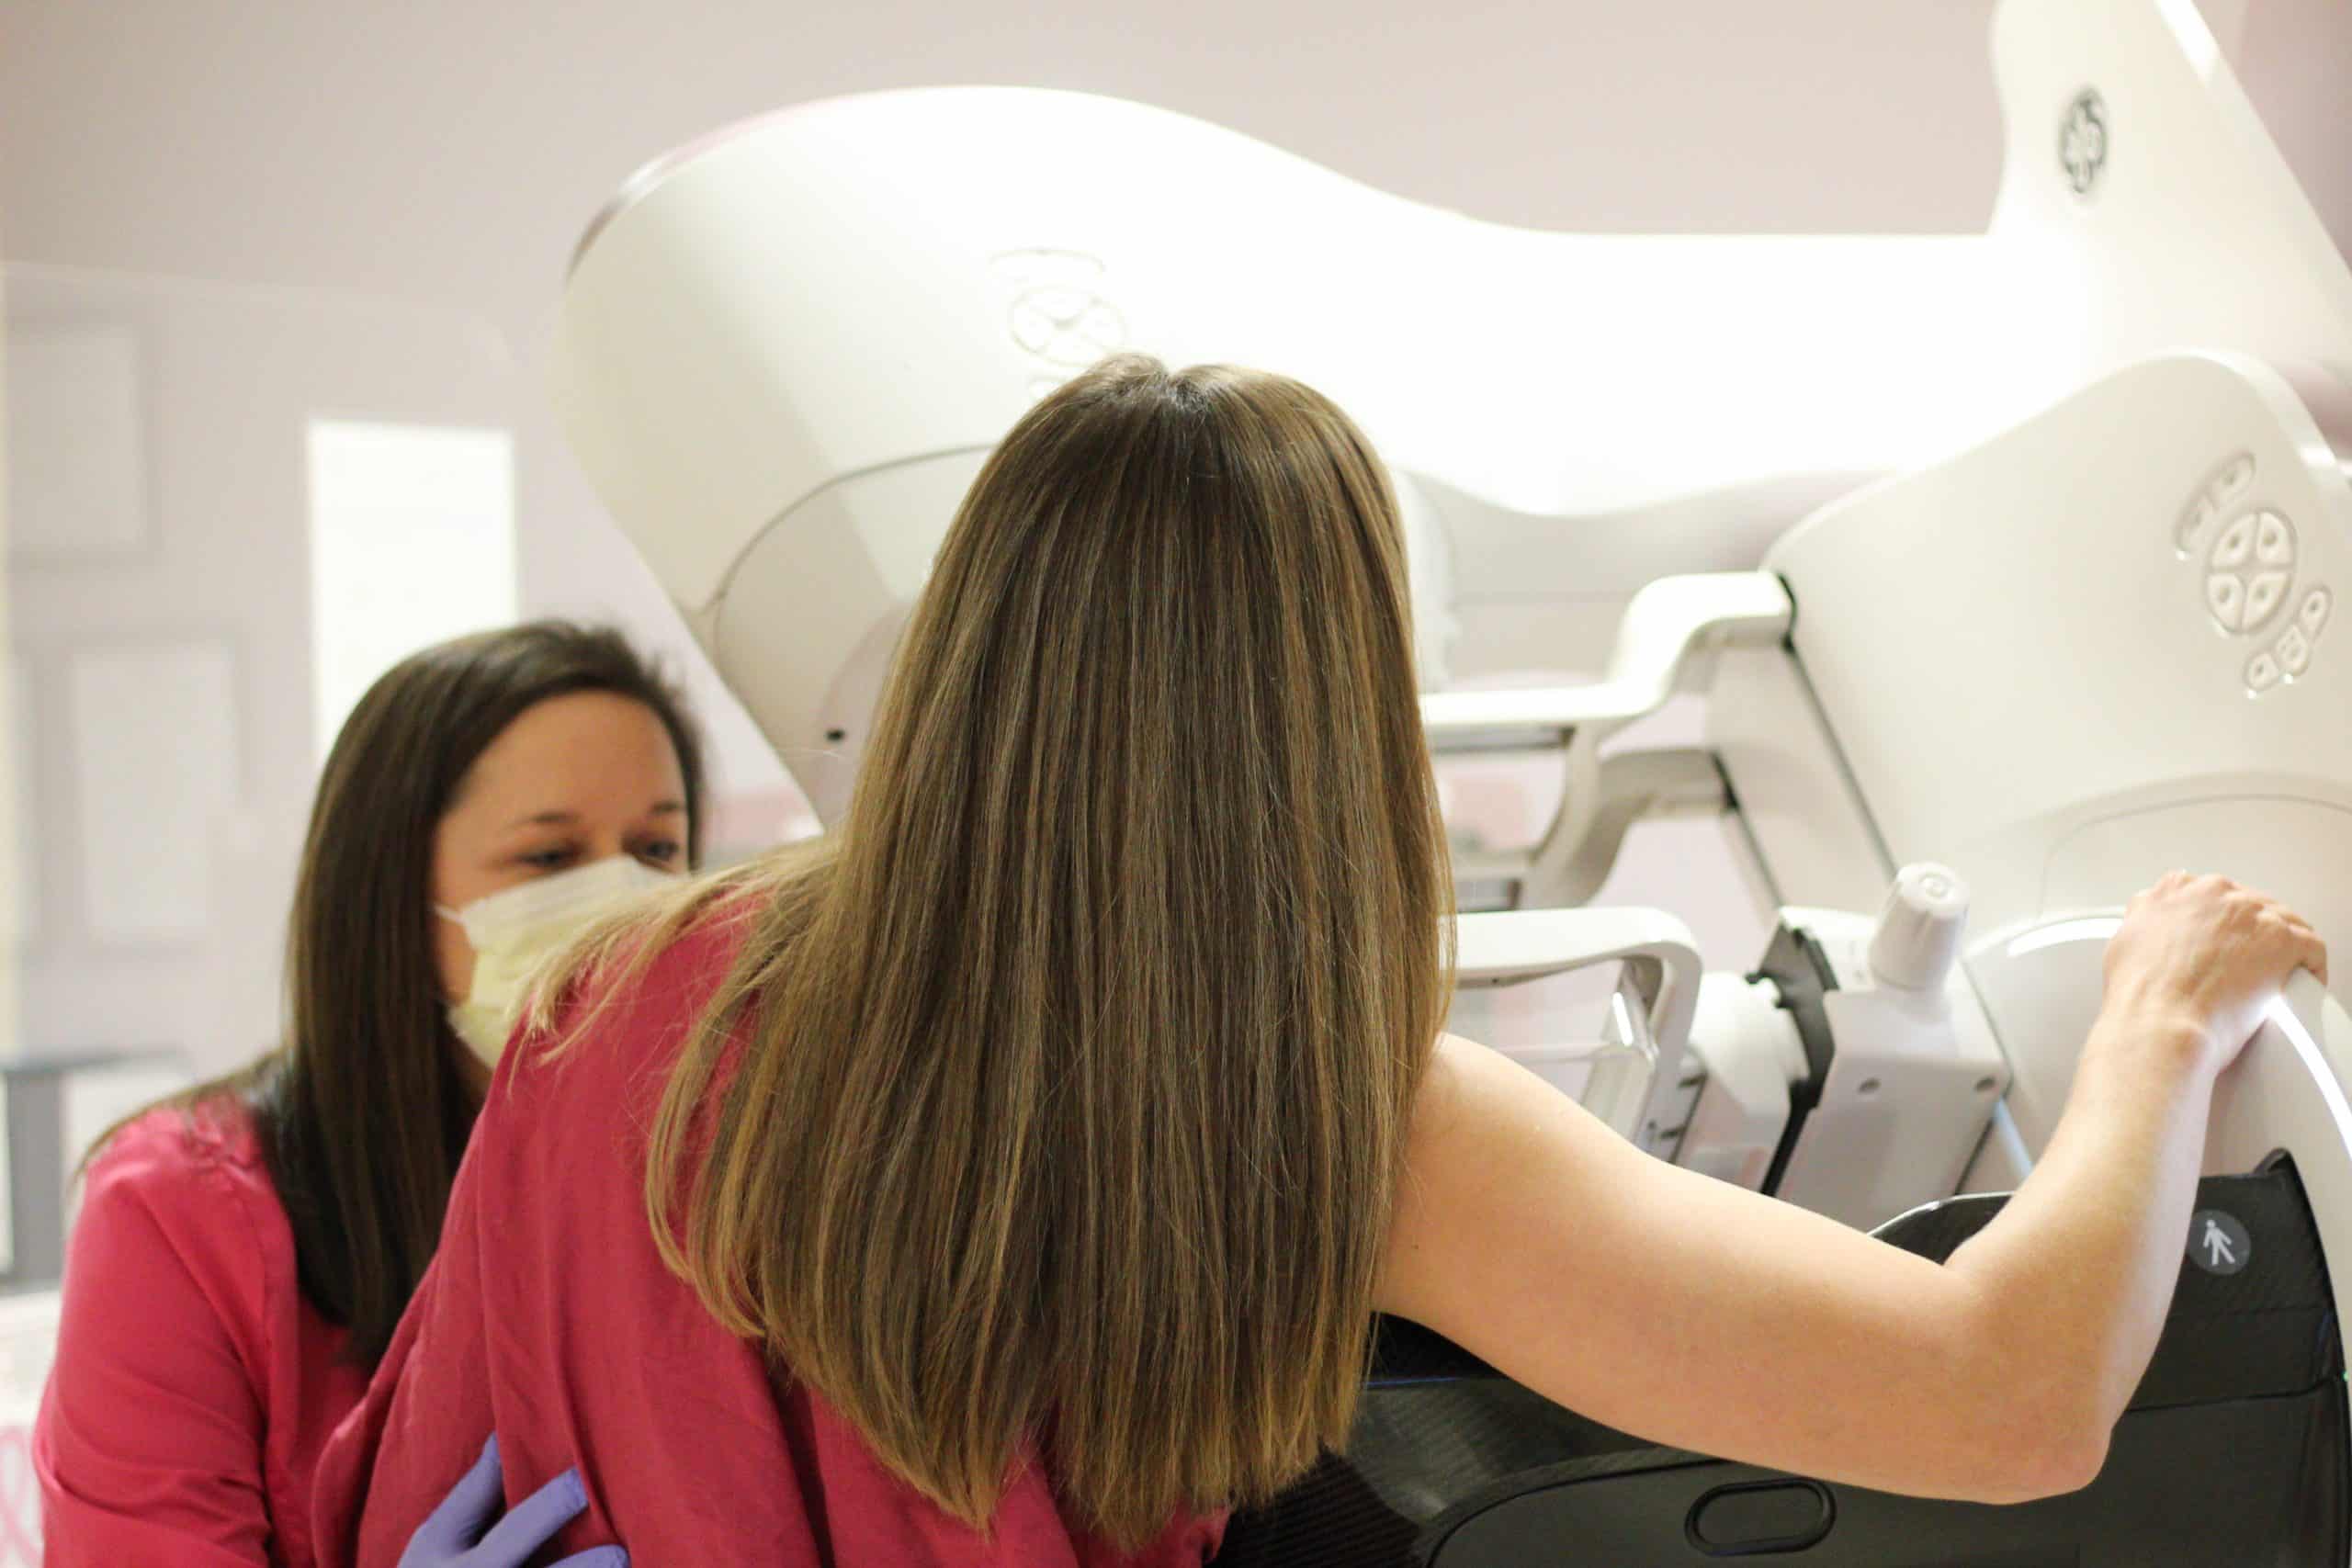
516 929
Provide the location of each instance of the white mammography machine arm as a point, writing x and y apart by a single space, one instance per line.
2090 628
783 350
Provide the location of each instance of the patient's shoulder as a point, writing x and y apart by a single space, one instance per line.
1482 1126
627 1016
1462 1083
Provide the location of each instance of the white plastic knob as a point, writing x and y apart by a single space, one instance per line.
1919 930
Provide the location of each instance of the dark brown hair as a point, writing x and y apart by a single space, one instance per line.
1074 1071
363 1111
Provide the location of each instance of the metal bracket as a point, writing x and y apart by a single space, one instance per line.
1635 1075
1666 643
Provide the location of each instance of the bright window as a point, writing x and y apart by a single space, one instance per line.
411 542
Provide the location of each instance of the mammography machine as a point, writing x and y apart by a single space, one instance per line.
2013 567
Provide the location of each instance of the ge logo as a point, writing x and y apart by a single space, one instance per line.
1059 315
2248 572
2082 142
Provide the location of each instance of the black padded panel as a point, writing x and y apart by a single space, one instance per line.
2235 1451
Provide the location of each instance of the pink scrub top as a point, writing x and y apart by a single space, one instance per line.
549 1316
195 1385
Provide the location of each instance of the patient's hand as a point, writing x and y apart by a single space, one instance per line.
2211 954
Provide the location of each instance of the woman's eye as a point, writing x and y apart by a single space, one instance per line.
548 860
663 853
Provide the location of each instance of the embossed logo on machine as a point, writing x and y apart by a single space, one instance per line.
2082 140
2248 554
1060 317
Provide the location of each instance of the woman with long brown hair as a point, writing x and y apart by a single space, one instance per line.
1014 1176
245 1250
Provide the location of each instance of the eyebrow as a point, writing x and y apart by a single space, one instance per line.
565 818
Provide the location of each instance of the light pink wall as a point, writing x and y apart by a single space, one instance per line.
2295 57
451 151
228 379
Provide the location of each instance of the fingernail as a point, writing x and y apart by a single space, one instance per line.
490 1447
579 1491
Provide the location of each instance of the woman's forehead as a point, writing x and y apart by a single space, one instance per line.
577 751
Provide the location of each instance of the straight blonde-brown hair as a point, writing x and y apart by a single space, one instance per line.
1055 1105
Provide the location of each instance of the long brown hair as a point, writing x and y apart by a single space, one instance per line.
363 1111
1061 1098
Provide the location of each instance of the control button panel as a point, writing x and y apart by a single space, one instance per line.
2250 558
2249 572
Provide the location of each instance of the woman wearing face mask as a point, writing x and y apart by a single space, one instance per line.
243 1250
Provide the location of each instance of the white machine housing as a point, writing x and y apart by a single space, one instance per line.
2101 640
784 349
2166 682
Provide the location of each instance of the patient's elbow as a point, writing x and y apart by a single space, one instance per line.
2061 1467
2042 1409
2046 1455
